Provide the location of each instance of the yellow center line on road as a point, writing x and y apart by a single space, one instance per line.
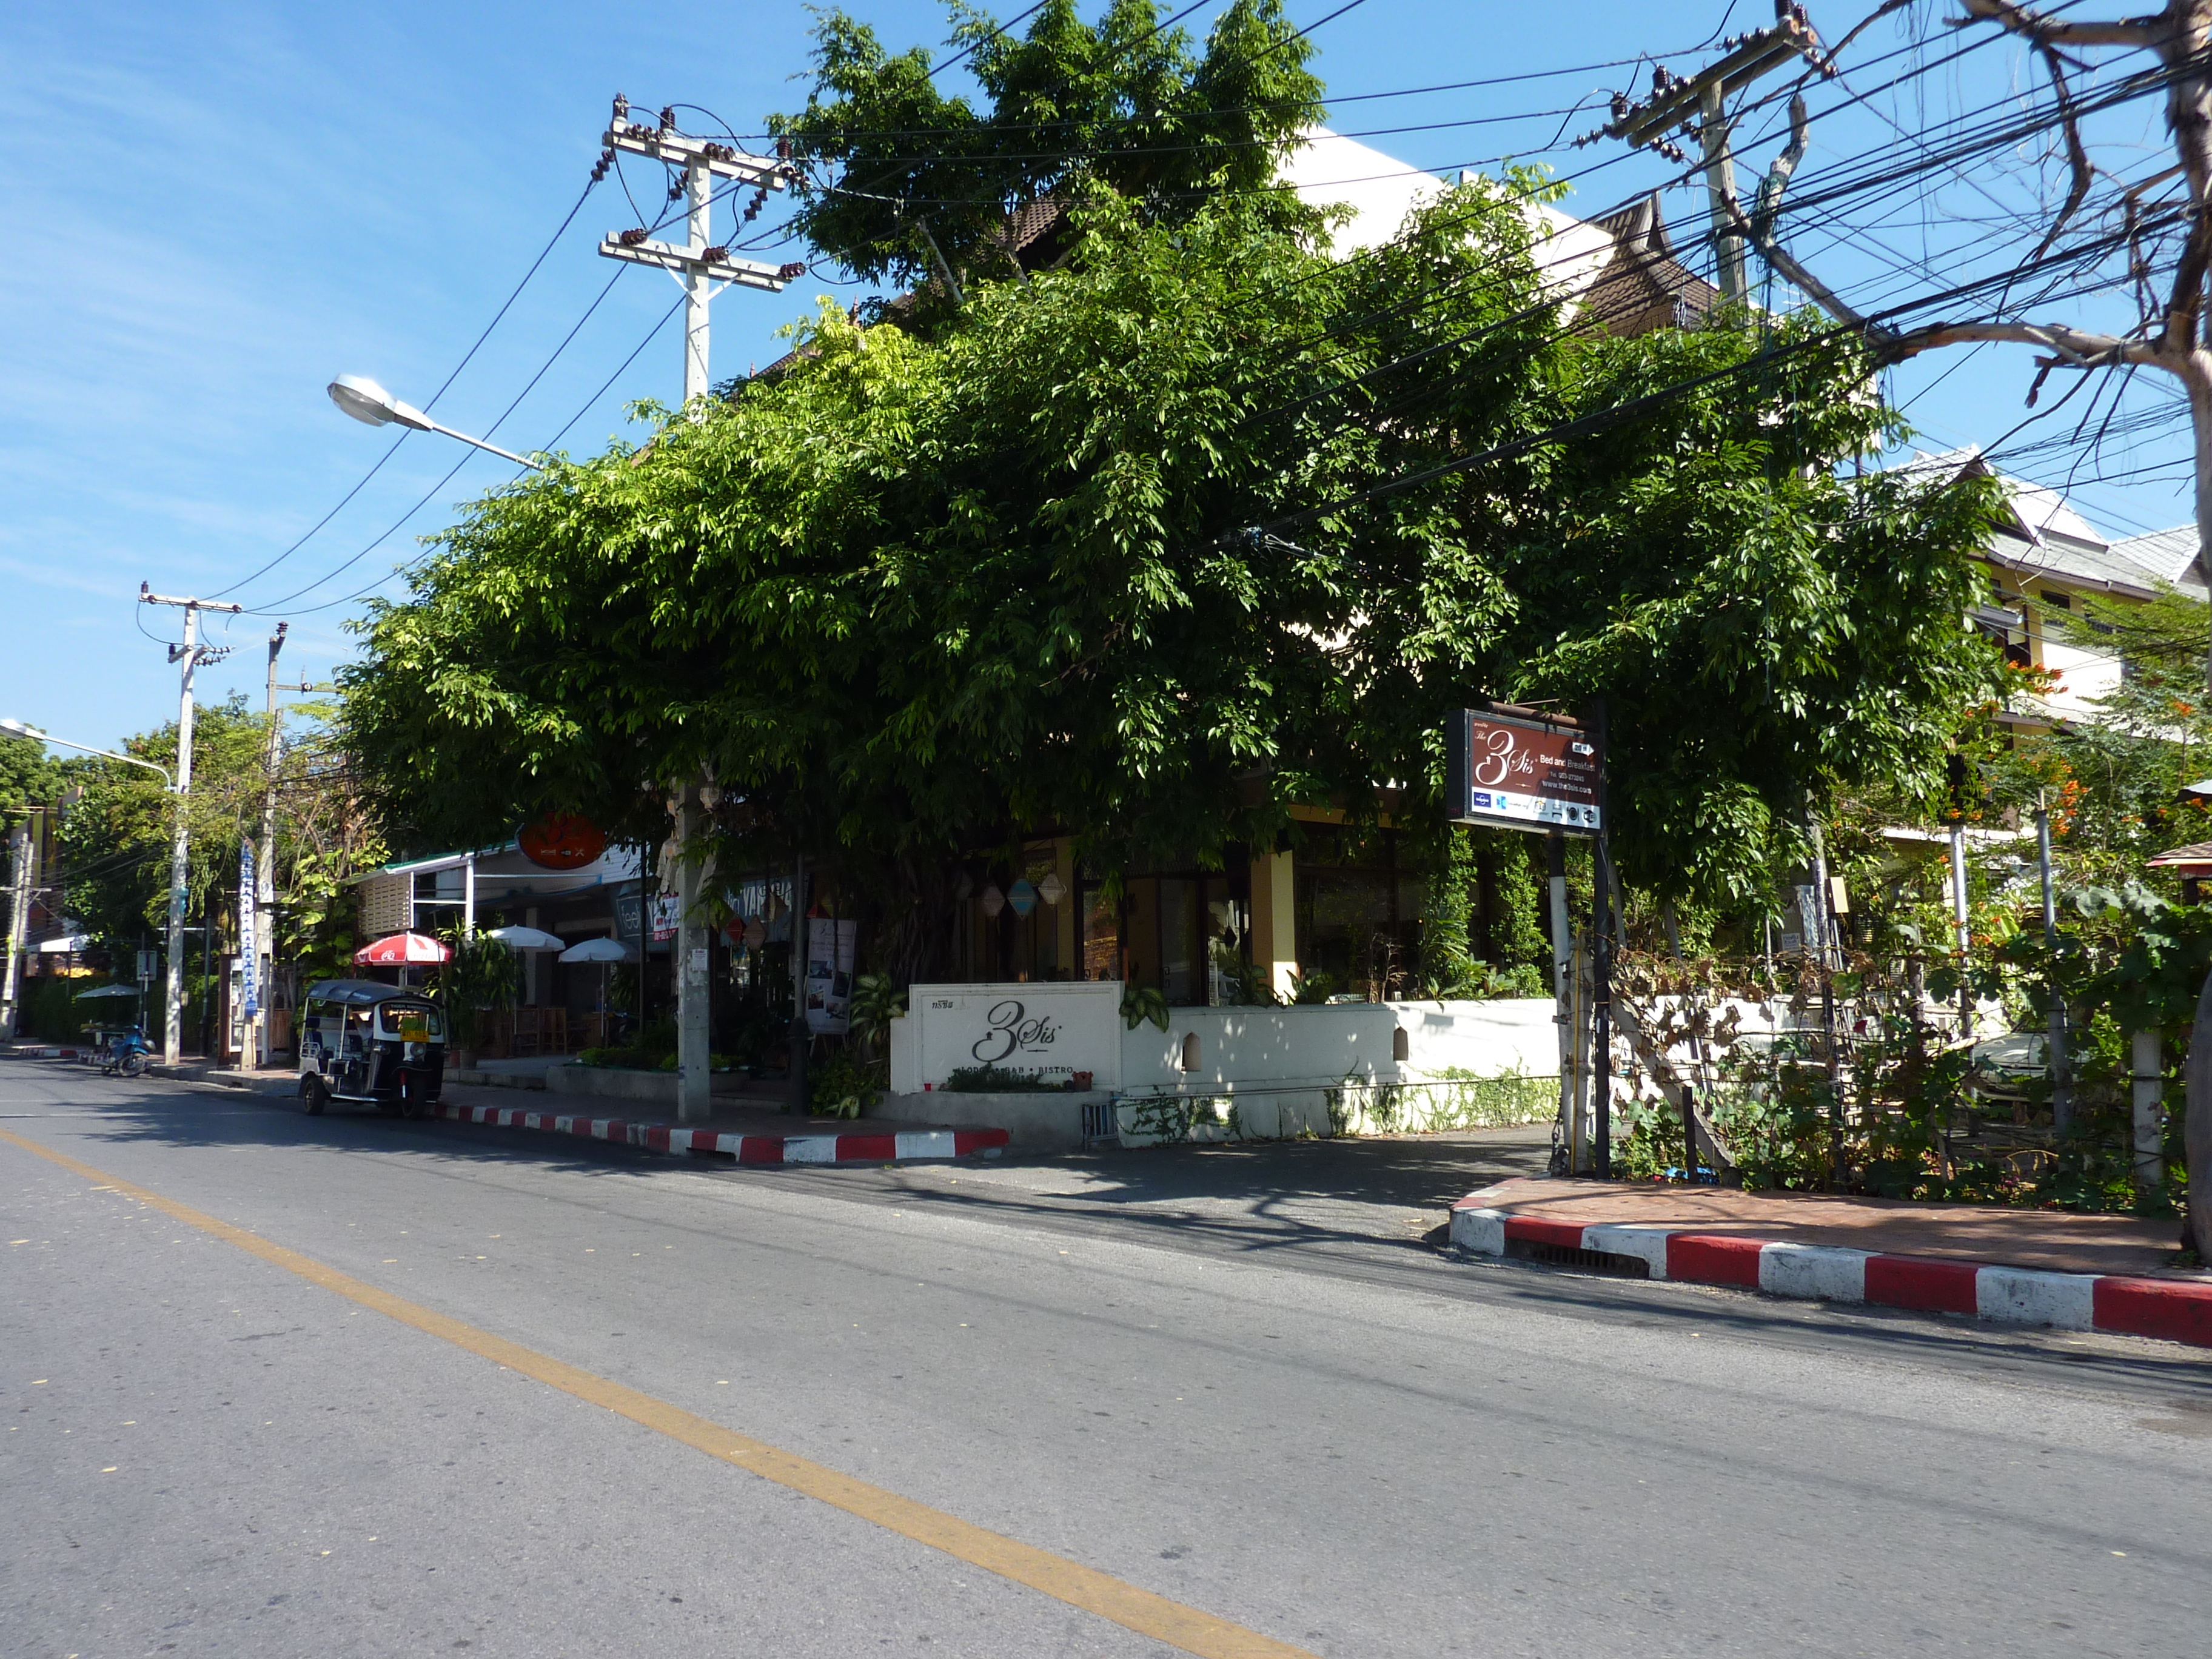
1186 1627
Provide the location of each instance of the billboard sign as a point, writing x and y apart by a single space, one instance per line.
1521 771
829 975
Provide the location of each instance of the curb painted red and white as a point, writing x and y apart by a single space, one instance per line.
2179 1310
906 1146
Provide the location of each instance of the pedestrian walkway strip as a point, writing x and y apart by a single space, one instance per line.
1190 1629
2179 1310
907 1146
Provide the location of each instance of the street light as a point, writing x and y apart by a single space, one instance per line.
21 729
371 405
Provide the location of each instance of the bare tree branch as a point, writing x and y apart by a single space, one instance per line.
2073 348
2045 29
2077 157
1863 25
1768 202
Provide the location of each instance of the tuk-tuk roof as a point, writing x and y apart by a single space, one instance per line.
362 993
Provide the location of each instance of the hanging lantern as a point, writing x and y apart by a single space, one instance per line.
755 932
1022 897
1052 888
993 901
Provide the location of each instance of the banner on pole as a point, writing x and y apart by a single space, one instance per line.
829 975
249 948
1521 771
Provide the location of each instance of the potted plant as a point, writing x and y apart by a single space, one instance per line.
482 976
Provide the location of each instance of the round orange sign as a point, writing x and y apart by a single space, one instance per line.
560 841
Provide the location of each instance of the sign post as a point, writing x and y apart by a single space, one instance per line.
1544 774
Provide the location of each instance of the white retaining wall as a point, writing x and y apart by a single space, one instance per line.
1274 1067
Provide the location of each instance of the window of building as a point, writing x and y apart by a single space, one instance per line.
1188 933
1357 912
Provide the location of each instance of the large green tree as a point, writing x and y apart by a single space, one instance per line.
887 158
1770 627
116 836
914 594
917 596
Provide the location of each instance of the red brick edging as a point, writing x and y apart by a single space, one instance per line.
906 1146
2179 1310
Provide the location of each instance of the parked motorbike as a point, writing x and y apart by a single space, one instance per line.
125 1055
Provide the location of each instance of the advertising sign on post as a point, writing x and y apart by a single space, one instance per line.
1522 771
829 975
249 951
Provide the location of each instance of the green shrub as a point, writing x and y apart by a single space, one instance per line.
998 1080
841 1084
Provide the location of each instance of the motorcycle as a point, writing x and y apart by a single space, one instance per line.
125 1055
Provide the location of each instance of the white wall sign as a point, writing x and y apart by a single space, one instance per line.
1053 1029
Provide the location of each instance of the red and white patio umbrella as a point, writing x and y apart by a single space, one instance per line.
400 950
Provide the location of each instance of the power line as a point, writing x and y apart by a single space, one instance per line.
651 335
443 386
270 607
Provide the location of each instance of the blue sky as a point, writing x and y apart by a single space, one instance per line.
216 208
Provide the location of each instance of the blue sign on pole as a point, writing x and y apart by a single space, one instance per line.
249 948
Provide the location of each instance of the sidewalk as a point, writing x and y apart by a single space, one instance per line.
739 1130
2024 1266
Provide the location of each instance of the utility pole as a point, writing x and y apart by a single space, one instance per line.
1602 951
1566 1005
1698 109
701 267
2055 1058
19 923
190 654
264 866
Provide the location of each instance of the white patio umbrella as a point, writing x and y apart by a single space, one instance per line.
598 950
602 950
526 938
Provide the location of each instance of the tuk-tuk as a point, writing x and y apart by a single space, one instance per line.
375 1044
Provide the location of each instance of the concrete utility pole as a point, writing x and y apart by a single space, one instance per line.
692 962
701 267
1675 102
190 654
19 924
1564 1003
2054 1057
264 858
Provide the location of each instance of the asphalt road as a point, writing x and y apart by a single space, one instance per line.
1235 1385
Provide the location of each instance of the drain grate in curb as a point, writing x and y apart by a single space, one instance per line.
1569 1255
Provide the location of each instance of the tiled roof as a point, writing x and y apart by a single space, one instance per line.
2047 538
2168 554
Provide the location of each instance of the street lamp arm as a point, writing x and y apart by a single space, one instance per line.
19 729
429 425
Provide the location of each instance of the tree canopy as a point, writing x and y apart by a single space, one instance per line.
115 836
888 156
914 595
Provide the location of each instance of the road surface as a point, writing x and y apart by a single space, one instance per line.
275 1385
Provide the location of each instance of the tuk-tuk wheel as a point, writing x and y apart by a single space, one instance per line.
317 1096
411 1096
